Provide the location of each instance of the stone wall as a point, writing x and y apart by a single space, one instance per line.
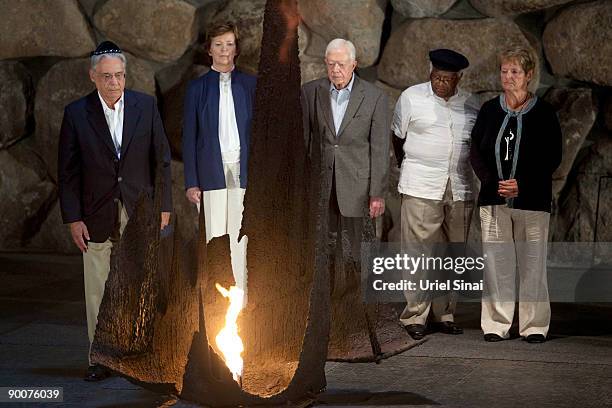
43 66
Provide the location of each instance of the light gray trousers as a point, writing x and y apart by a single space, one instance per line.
514 240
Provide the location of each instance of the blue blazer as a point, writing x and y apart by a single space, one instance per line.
201 147
91 178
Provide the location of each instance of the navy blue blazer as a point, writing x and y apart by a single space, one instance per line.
91 178
201 147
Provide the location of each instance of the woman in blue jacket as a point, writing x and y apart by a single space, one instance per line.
216 132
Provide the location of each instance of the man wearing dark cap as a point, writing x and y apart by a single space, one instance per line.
112 144
432 124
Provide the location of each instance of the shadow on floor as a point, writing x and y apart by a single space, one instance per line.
61 372
383 399
567 319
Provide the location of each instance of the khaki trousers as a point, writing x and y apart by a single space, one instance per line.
514 239
96 266
426 222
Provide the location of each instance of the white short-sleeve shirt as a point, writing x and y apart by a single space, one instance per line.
437 142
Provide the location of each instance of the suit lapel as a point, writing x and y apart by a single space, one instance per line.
355 99
131 115
323 95
212 112
98 121
239 109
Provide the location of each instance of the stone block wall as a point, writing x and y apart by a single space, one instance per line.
44 63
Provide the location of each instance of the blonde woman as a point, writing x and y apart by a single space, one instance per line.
516 147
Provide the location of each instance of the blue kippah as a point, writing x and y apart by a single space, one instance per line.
106 47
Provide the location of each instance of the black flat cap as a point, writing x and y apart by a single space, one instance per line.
448 60
106 47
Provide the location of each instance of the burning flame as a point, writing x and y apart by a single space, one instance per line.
228 340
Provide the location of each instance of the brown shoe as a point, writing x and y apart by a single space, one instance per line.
96 373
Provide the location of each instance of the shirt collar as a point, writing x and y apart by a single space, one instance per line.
118 104
219 72
224 77
349 87
430 91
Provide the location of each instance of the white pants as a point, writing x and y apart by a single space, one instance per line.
514 238
223 214
96 266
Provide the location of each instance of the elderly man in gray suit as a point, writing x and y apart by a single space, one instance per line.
347 118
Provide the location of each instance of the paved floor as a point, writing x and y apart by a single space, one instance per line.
43 342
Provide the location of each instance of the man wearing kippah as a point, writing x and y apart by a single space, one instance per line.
112 144
432 124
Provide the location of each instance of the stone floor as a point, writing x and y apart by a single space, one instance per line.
43 342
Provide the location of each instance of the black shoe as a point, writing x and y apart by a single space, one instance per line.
535 338
96 373
416 331
448 328
492 337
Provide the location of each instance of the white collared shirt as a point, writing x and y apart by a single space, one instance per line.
339 101
229 138
437 144
114 120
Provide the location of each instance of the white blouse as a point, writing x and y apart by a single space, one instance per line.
229 138
437 145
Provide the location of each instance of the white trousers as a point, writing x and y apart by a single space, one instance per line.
96 266
223 214
514 239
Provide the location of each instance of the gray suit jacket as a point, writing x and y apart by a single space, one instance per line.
359 153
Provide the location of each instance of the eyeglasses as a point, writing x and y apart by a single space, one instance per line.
442 79
332 65
108 77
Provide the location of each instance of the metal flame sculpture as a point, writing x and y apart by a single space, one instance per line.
161 308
